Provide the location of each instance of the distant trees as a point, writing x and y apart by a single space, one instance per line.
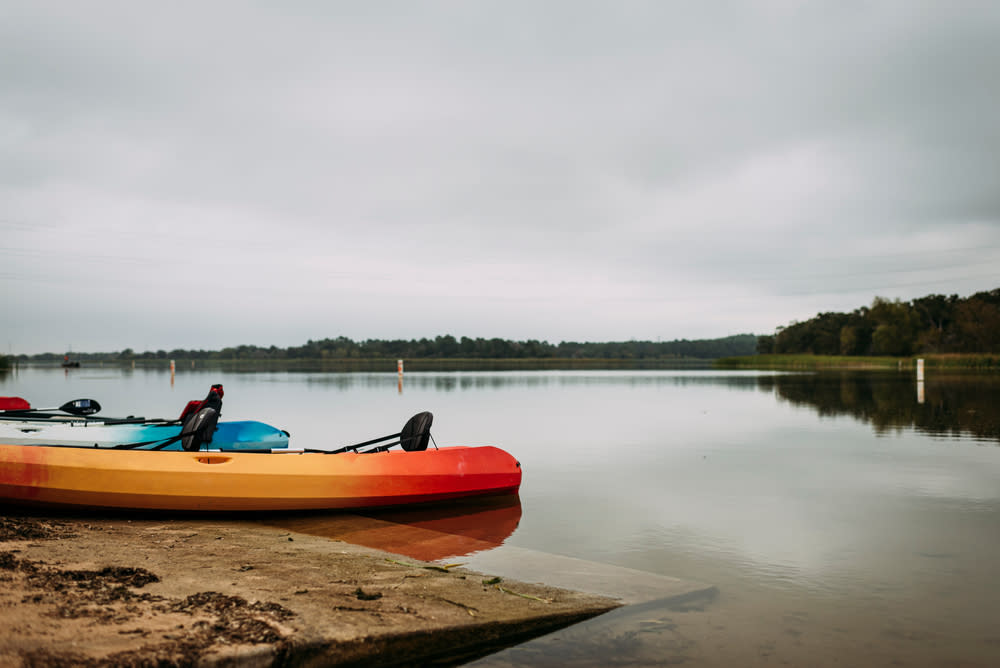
896 328
977 325
447 347
765 345
931 324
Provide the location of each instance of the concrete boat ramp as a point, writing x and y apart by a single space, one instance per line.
627 585
647 600
139 590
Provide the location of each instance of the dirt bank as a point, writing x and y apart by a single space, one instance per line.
138 591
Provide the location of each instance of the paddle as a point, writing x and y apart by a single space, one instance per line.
414 436
81 407
74 407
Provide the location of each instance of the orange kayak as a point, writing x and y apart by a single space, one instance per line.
234 481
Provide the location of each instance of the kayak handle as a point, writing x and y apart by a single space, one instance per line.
214 459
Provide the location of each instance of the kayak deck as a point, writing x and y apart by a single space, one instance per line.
231 435
247 481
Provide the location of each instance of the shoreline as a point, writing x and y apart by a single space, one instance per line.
941 362
138 590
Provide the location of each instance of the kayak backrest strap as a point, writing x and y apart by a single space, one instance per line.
414 437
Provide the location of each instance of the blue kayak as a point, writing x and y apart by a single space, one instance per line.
153 435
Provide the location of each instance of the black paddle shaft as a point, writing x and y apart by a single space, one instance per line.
79 407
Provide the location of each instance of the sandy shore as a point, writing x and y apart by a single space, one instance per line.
136 591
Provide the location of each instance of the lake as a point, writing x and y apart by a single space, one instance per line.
843 518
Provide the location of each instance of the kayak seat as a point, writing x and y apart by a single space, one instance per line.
416 432
200 419
199 429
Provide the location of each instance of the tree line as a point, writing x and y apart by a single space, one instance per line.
931 324
442 347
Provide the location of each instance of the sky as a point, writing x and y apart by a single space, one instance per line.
201 175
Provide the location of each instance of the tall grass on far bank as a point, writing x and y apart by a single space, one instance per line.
980 361
987 361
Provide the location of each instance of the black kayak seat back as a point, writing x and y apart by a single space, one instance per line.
198 429
416 432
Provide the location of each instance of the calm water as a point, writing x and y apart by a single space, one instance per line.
846 519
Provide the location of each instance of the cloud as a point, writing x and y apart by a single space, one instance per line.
557 170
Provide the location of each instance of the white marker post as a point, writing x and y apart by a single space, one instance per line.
920 381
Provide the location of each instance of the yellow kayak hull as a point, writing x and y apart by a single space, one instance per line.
245 481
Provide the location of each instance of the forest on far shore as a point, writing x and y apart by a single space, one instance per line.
931 324
440 347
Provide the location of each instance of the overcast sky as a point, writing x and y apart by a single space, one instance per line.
198 175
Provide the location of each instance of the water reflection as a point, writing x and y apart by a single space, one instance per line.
426 533
952 406
478 380
837 527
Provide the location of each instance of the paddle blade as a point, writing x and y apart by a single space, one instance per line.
14 404
81 407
